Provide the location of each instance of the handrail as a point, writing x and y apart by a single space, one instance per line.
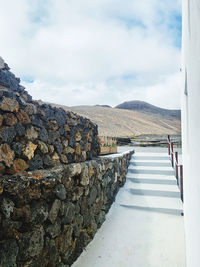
176 165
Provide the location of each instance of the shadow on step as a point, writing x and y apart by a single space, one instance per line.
151 181
151 164
159 210
149 158
154 193
159 172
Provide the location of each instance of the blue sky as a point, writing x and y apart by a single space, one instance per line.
94 51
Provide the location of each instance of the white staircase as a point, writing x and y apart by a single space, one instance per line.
144 227
151 185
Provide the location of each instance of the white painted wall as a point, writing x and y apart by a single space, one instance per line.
191 128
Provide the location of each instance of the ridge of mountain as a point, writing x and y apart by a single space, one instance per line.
145 107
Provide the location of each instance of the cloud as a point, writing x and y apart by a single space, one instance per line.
94 52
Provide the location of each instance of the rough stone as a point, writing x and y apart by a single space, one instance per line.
54 210
58 147
20 129
91 171
51 149
52 125
39 214
54 230
64 240
6 155
29 150
9 104
78 137
60 191
43 147
19 165
31 109
65 143
48 162
23 117
43 135
36 121
17 148
78 149
23 213
67 128
93 195
68 209
31 133
53 136
36 163
8 134
63 159
101 218
55 157
69 150
8 253
31 244
85 180
10 119
7 207
74 169
77 193
53 254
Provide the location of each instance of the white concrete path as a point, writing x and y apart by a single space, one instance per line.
144 227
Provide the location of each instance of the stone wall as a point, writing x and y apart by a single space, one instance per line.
47 217
34 135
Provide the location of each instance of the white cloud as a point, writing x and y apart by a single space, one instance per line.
80 52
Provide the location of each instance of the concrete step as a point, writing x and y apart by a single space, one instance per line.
151 171
131 175
156 193
155 163
130 184
126 197
150 156
138 167
153 181
157 210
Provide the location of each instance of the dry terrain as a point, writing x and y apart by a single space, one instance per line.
127 123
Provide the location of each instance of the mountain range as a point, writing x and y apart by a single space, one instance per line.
131 118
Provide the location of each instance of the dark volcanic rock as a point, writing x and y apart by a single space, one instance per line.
8 253
32 243
8 134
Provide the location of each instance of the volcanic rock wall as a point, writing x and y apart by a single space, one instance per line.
38 136
48 217
52 200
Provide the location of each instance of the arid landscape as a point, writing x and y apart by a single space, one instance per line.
117 122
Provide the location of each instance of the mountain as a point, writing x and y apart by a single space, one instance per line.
127 123
103 106
144 107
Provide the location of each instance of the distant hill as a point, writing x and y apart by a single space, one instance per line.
103 106
144 107
127 123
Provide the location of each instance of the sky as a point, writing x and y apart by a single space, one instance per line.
88 52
